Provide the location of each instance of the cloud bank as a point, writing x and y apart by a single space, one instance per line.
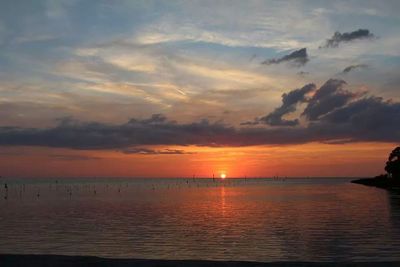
333 114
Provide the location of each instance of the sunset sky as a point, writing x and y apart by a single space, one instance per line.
182 88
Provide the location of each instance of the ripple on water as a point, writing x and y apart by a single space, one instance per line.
263 220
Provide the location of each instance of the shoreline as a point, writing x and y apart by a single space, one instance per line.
10 260
384 183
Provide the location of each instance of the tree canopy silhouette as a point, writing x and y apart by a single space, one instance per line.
393 163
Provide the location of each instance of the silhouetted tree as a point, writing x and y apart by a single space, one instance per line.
393 163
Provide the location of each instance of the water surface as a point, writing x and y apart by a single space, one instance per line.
237 219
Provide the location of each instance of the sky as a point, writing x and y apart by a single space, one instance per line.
181 88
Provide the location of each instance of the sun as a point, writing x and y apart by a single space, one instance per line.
223 175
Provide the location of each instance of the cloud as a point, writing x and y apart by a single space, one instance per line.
365 119
303 73
73 157
297 58
346 37
248 123
155 130
331 95
136 133
353 67
289 103
256 24
147 151
12 153
332 115
336 115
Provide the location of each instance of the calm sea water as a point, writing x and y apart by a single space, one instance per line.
253 219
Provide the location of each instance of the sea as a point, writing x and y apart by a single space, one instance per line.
254 219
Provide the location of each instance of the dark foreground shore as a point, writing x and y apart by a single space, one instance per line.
385 183
64 261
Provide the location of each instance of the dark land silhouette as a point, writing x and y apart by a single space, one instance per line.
389 180
66 261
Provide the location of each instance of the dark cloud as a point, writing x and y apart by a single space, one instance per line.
346 37
72 157
332 115
297 58
147 151
248 123
289 103
366 113
303 73
12 153
338 116
365 119
353 67
93 135
330 96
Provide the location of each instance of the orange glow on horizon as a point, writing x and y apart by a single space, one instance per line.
306 160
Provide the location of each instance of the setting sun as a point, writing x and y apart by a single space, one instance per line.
223 175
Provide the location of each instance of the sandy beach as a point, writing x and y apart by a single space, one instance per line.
8 260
